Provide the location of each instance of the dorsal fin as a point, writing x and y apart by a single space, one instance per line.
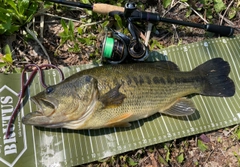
166 65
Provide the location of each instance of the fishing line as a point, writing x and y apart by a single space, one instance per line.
25 85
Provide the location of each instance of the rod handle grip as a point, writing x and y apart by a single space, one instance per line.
222 30
102 8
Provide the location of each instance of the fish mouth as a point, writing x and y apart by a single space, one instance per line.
41 117
44 103
38 119
31 118
39 106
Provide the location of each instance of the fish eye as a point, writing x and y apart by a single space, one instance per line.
49 90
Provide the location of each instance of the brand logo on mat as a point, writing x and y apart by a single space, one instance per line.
10 149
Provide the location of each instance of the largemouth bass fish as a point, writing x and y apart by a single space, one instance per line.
114 95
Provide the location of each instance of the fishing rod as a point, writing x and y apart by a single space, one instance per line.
116 49
102 8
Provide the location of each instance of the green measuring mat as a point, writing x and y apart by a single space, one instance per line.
61 147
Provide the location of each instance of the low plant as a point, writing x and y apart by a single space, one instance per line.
16 13
211 7
6 61
236 133
201 145
75 36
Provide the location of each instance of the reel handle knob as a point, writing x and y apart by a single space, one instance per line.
129 8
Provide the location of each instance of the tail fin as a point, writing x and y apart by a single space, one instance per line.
217 82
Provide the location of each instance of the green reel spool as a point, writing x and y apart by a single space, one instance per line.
114 50
108 47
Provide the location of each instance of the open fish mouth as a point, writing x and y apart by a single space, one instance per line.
36 118
40 117
44 106
39 106
47 103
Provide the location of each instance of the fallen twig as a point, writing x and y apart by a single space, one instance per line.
226 20
230 131
61 17
36 39
149 29
185 3
225 12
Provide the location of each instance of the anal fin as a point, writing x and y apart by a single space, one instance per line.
181 107
122 125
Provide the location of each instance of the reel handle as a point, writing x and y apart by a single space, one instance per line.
103 8
100 8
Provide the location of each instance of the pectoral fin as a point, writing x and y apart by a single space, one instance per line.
181 107
112 98
117 122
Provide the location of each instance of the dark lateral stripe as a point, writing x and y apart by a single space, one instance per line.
129 80
159 80
148 80
136 80
189 79
177 80
170 80
141 80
